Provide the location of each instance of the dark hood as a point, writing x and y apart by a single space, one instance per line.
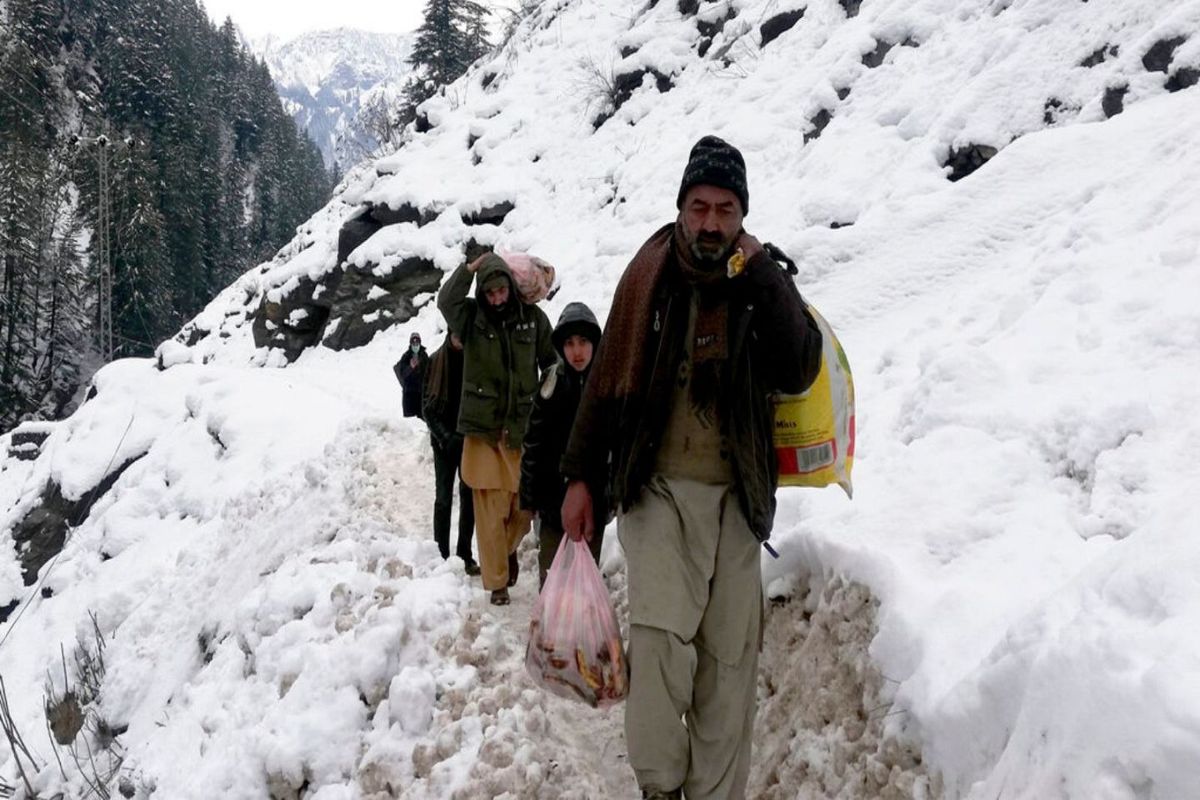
491 266
576 318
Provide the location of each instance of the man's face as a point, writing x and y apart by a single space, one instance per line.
578 352
712 220
497 295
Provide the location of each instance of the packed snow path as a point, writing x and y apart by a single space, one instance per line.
820 732
534 744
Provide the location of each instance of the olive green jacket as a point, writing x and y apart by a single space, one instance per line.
502 354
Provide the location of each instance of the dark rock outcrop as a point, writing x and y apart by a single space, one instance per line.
875 58
294 322
1183 78
1114 100
965 160
1100 55
851 7
386 215
490 215
1158 58
348 306
819 122
626 83
27 440
364 303
40 536
778 25
709 28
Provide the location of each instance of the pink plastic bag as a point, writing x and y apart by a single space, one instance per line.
575 647
534 277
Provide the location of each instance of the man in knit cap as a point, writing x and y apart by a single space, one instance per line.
677 418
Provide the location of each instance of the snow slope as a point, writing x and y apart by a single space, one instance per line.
278 619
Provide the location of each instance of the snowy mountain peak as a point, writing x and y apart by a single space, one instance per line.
327 78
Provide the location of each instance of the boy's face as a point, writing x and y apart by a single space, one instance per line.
578 352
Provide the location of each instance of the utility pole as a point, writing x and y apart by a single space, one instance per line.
102 241
106 275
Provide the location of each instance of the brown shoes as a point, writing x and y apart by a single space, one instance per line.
655 794
500 597
470 566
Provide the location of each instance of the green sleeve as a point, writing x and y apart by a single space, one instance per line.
453 301
546 354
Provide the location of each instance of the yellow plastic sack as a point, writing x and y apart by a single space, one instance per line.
814 431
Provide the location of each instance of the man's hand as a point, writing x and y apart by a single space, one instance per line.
749 246
473 266
577 518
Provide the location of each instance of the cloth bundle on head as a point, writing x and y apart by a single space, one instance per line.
533 276
715 162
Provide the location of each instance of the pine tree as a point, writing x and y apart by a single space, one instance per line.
452 36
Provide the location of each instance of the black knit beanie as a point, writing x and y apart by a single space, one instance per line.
716 162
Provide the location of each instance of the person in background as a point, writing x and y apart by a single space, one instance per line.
677 415
575 338
440 404
505 343
410 371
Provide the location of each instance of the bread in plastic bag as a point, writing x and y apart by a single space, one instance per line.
814 431
575 647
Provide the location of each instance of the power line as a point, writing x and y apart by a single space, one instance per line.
32 113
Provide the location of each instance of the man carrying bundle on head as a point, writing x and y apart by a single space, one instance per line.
505 343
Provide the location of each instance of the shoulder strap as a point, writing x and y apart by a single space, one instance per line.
778 256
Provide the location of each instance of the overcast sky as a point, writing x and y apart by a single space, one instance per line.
286 18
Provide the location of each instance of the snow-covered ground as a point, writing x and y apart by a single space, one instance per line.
1024 341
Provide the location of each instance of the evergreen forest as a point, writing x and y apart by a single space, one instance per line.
145 162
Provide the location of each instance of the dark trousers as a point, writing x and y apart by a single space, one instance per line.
446 462
549 538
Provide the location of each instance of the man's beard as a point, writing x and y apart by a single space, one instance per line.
709 250
498 311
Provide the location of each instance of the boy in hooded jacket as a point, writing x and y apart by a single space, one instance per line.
575 338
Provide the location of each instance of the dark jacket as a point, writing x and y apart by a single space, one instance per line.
502 353
775 346
411 379
442 394
542 484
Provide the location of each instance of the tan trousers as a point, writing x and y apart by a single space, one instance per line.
695 605
493 471
499 526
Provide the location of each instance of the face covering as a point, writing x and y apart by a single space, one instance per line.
415 347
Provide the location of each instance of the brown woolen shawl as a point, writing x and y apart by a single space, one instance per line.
619 368
620 361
